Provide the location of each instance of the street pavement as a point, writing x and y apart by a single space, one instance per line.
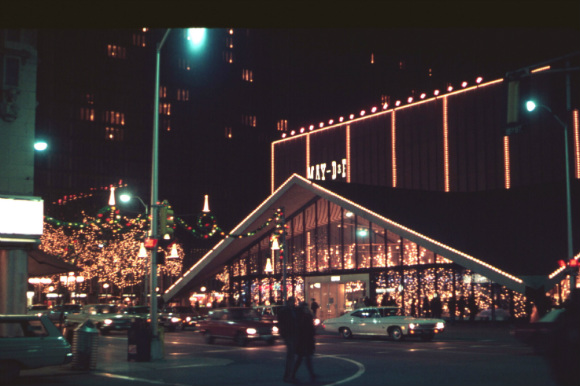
113 367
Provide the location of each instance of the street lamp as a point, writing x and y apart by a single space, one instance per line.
156 351
531 106
125 197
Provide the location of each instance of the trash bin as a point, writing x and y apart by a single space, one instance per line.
139 341
85 346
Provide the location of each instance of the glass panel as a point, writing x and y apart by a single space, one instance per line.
393 249
253 259
426 256
335 237
409 253
309 214
297 244
363 237
378 246
349 240
322 236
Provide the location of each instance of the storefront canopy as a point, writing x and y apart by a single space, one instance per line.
513 237
41 263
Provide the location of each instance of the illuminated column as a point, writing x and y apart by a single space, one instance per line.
394 148
445 146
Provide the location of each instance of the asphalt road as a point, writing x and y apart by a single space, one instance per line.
464 355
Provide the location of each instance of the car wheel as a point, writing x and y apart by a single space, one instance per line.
240 339
10 370
396 334
209 339
346 333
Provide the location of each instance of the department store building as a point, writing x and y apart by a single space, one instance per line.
436 195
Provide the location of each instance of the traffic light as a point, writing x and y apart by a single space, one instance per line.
166 221
518 91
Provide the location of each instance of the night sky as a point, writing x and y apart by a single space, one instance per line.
317 42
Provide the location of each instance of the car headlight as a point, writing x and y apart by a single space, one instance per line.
275 330
412 326
316 322
251 331
440 325
188 319
175 320
108 322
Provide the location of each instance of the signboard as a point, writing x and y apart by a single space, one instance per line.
21 219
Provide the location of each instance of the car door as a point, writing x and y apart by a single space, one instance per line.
362 321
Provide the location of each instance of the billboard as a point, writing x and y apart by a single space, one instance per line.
21 219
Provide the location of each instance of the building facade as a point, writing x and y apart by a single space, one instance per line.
345 246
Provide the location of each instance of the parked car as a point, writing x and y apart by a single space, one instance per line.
38 309
180 317
242 324
59 312
488 315
106 317
30 342
268 312
384 321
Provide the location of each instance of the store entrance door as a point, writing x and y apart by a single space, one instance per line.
335 294
330 298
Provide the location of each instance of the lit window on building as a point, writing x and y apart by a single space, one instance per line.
372 58
113 134
139 40
163 92
114 51
282 125
182 95
166 124
114 117
229 42
165 108
87 114
184 64
248 75
229 57
231 31
228 132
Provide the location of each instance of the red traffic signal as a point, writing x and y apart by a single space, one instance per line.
150 243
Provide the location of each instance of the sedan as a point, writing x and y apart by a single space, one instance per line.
30 342
384 321
238 323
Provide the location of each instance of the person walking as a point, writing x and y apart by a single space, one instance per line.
304 340
314 307
288 325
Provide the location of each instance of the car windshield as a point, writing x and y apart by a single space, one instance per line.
244 314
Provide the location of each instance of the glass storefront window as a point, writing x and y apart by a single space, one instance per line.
335 236
426 256
349 240
310 217
410 256
393 249
378 252
322 236
363 240
253 259
297 244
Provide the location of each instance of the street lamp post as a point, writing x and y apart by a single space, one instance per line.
531 106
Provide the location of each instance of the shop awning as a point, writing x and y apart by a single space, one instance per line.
41 263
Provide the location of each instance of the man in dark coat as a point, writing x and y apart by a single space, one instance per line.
288 325
304 340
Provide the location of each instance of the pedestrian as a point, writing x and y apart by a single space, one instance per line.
436 306
473 308
304 340
314 307
426 311
288 326
461 305
451 306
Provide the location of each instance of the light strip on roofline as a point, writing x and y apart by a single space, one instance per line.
481 85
